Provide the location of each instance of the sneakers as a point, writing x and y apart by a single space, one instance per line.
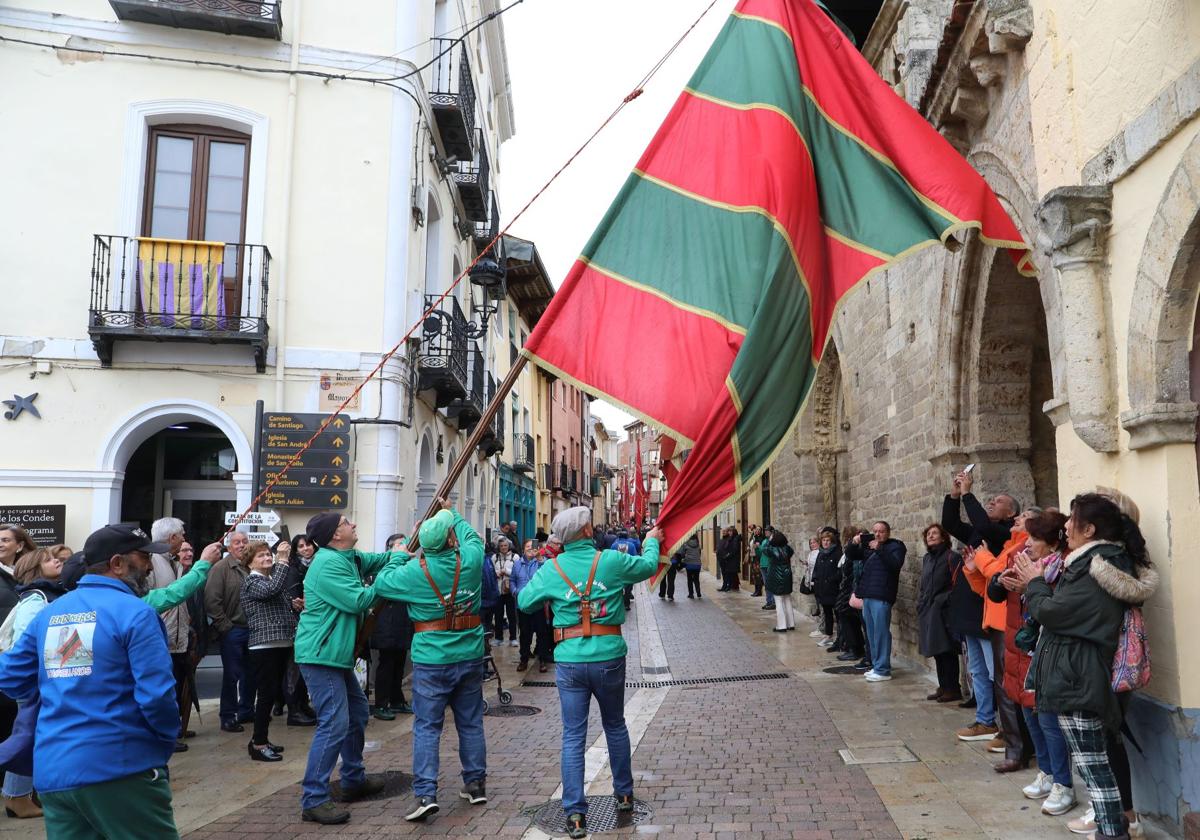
424 807
576 826
816 634
1085 824
474 792
977 732
875 676
624 803
826 642
326 814
1060 800
382 713
369 787
863 665
996 745
1039 788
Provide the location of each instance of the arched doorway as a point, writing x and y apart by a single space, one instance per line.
425 484
186 471
1009 380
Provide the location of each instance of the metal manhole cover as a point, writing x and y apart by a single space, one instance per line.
843 669
395 783
602 815
511 711
877 755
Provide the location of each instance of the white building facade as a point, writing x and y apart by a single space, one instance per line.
215 218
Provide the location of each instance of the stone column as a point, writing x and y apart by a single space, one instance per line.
1073 231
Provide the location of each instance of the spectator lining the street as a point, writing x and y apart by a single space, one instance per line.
691 565
850 619
295 693
878 586
271 618
223 600
779 580
1106 571
392 638
164 571
939 568
532 625
826 580
506 607
729 558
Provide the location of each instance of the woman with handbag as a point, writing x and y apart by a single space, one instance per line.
826 580
1106 572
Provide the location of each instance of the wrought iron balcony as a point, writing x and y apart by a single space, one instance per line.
493 437
146 289
467 409
545 476
255 18
486 230
564 478
472 179
452 96
442 361
523 452
603 470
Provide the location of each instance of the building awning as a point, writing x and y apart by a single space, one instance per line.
528 284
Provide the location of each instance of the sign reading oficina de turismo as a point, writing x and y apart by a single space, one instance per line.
320 478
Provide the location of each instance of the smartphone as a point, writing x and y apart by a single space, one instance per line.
967 469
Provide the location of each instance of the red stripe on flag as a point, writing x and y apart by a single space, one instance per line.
624 341
756 158
849 90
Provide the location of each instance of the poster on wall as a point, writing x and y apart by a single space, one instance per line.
46 524
335 389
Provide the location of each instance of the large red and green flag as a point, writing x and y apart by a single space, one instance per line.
786 173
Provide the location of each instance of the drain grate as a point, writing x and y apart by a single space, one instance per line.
673 683
602 815
511 711
395 783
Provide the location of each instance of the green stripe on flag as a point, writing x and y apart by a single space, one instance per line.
707 257
862 198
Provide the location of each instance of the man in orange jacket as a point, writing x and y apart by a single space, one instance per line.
1014 740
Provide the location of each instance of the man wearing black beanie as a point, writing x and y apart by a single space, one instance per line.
335 601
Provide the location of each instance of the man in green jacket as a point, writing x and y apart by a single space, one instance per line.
335 601
589 659
442 590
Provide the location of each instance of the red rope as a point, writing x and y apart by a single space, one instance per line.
634 94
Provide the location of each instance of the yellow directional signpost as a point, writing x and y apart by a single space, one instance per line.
320 479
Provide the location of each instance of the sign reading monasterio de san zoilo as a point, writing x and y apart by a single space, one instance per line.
320 479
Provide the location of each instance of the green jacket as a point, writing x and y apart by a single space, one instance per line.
335 601
179 591
405 581
1081 621
764 561
615 571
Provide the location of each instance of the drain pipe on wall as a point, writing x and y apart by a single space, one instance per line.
289 156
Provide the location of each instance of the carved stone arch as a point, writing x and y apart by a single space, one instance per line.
820 440
1162 315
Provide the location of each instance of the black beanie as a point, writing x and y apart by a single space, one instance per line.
322 526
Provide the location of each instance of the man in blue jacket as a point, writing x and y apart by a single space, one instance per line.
877 586
98 659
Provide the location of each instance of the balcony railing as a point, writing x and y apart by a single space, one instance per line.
472 179
452 96
442 362
564 478
255 18
493 437
146 289
486 230
467 410
522 452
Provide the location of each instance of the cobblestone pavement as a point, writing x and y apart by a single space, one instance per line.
735 759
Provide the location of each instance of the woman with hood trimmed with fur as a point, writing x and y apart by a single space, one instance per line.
1106 572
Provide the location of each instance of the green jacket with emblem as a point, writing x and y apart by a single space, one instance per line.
613 573
335 602
405 581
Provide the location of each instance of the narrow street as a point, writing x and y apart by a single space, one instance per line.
746 758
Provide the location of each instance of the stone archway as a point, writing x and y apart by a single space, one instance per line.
1162 316
143 423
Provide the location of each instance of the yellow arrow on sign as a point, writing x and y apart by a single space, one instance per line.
337 480
337 461
338 442
339 423
335 499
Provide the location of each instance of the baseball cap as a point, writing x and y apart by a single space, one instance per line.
121 538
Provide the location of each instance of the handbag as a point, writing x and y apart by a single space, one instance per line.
1131 663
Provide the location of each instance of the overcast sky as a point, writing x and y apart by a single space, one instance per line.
571 62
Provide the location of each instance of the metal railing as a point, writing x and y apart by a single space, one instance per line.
486 230
139 283
473 179
256 18
522 451
444 339
451 84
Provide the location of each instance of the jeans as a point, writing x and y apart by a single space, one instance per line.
17 785
342 714
878 616
434 687
237 685
266 667
1050 746
979 658
578 682
770 598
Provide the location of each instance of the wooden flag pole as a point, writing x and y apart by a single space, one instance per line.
468 451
